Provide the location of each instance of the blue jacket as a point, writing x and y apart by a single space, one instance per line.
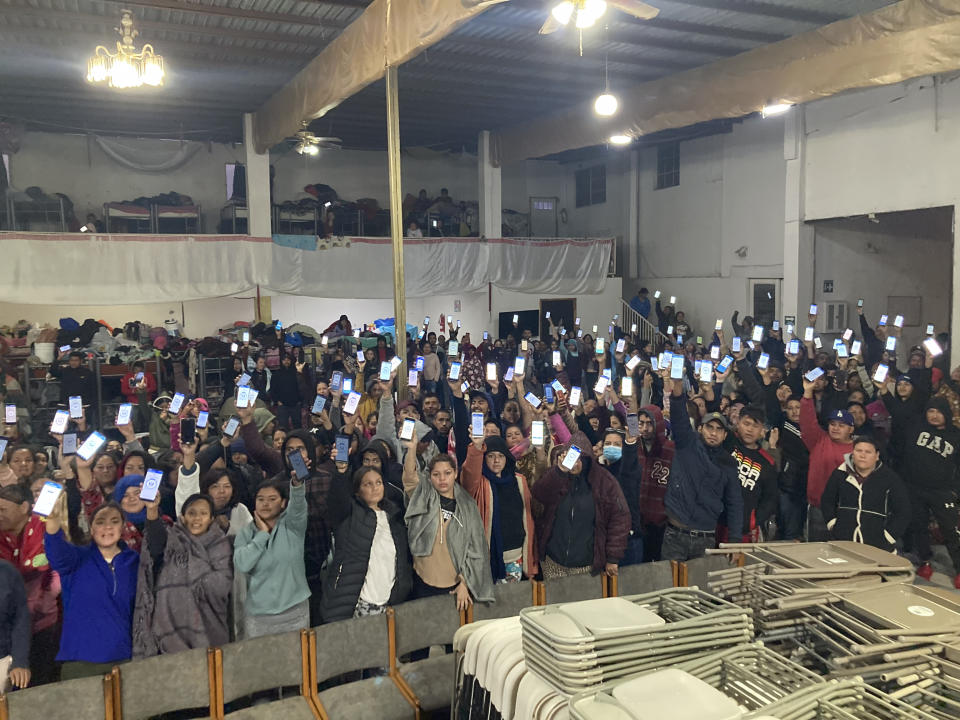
703 480
14 617
97 600
641 306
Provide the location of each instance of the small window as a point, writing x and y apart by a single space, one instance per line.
668 165
543 204
591 185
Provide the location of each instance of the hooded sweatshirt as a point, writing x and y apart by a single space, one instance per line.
703 480
611 518
930 455
874 510
825 454
317 487
646 502
508 498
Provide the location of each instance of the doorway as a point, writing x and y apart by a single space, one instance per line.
543 217
563 312
764 300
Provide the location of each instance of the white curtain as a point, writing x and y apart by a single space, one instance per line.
147 161
70 269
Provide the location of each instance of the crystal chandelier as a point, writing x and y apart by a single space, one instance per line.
126 68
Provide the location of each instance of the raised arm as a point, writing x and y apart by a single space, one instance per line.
266 457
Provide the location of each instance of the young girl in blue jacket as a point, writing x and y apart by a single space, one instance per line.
99 587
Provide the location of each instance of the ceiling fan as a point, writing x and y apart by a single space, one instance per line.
585 13
309 144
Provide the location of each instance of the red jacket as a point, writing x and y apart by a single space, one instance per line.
656 466
825 454
26 552
128 381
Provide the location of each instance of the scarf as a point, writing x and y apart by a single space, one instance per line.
520 449
184 605
497 568
124 484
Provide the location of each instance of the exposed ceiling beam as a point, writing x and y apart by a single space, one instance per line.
686 45
619 20
460 46
52 43
311 41
224 11
763 9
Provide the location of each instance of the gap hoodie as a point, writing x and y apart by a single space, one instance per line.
874 510
930 455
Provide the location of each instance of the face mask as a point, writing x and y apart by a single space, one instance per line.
612 453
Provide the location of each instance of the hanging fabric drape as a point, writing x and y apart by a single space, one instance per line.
41 268
135 159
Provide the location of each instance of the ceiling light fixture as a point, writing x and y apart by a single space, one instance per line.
775 109
606 103
126 68
585 13
620 139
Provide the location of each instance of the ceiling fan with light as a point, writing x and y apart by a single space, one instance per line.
584 13
306 143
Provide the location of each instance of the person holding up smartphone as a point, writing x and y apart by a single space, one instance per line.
585 521
445 531
271 552
126 495
185 579
827 452
503 497
288 387
703 482
76 379
371 553
21 544
136 381
99 588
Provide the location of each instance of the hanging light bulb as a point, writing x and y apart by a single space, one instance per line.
311 149
596 8
562 12
606 104
153 70
584 19
620 139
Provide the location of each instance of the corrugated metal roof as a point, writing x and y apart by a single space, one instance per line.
225 57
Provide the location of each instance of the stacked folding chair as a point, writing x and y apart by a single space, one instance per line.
839 700
778 581
720 686
575 646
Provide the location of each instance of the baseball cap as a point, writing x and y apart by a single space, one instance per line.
716 417
842 416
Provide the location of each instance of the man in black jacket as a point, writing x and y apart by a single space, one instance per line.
795 458
287 389
864 501
75 379
757 472
931 453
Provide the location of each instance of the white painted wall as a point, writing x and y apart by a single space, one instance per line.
730 196
72 165
202 317
884 149
873 262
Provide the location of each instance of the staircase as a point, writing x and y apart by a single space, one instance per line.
646 330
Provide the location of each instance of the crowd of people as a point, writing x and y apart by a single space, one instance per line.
316 494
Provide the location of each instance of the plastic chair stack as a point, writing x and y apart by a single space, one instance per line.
575 646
